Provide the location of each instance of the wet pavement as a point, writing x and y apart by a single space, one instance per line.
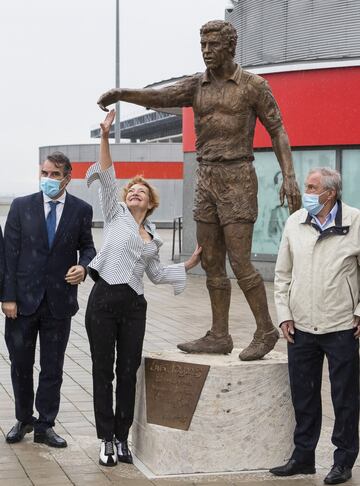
170 320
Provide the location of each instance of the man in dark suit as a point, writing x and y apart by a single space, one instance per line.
43 234
2 262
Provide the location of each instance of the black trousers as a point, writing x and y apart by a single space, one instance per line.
115 319
20 336
306 358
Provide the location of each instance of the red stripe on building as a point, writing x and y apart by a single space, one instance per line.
188 128
320 107
127 170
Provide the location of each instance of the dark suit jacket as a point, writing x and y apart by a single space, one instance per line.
2 262
32 268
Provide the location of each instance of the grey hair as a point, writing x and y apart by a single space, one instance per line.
330 179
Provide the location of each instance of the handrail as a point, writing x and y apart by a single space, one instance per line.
177 225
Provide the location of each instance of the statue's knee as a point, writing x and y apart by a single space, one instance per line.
249 281
213 266
218 283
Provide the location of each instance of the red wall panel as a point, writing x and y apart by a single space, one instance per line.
319 107
127 170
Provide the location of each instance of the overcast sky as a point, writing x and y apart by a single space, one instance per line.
57 57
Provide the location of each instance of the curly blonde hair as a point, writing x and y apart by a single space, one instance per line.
153 193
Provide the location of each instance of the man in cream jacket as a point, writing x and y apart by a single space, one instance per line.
317 278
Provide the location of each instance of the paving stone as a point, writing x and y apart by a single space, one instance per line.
15 482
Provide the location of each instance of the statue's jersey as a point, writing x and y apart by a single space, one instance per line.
225 113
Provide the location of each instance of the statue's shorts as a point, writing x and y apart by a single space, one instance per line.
226 193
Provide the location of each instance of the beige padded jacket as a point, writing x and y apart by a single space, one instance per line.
317 274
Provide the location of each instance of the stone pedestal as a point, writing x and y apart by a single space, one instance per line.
243 420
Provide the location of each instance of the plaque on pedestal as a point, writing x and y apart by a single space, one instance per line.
172 391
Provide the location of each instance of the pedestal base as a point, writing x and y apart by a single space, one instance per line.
244 419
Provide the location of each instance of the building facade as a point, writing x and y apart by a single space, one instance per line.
309 52
160 163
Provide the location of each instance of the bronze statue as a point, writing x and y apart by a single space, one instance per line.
226 101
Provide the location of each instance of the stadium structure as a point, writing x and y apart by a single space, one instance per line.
309 52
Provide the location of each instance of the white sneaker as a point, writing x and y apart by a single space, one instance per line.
108 455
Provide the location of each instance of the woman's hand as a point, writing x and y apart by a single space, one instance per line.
106 124
194 259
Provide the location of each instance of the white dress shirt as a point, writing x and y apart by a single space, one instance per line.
125 256
59 207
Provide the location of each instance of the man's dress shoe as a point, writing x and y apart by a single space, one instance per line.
50 438
293 467
338 474
17 433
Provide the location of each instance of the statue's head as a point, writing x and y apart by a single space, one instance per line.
218 42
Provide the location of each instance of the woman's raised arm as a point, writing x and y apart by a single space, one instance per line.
105 156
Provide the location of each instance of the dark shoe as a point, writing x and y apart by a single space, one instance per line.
123 451
293 467
338 474
107 456
50 438
17 433
261 345
209 344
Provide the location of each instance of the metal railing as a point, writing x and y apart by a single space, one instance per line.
177 227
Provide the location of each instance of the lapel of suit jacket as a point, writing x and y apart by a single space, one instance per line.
39 216
67 214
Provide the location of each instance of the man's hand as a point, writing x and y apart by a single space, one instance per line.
288 331
75 275
109 98
290 189
9 309
356 326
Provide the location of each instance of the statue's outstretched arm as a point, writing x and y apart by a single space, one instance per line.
143 97
179 94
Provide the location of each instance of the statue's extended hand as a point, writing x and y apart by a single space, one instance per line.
106 124
290 189
109 98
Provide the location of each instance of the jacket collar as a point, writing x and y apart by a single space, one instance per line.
341 224
39 214
338 217
67 214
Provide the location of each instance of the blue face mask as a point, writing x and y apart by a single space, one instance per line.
312 204
50 187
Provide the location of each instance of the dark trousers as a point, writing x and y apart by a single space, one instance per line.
20 336
115 319
306 358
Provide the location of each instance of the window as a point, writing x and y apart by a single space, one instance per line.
271 219
350 177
